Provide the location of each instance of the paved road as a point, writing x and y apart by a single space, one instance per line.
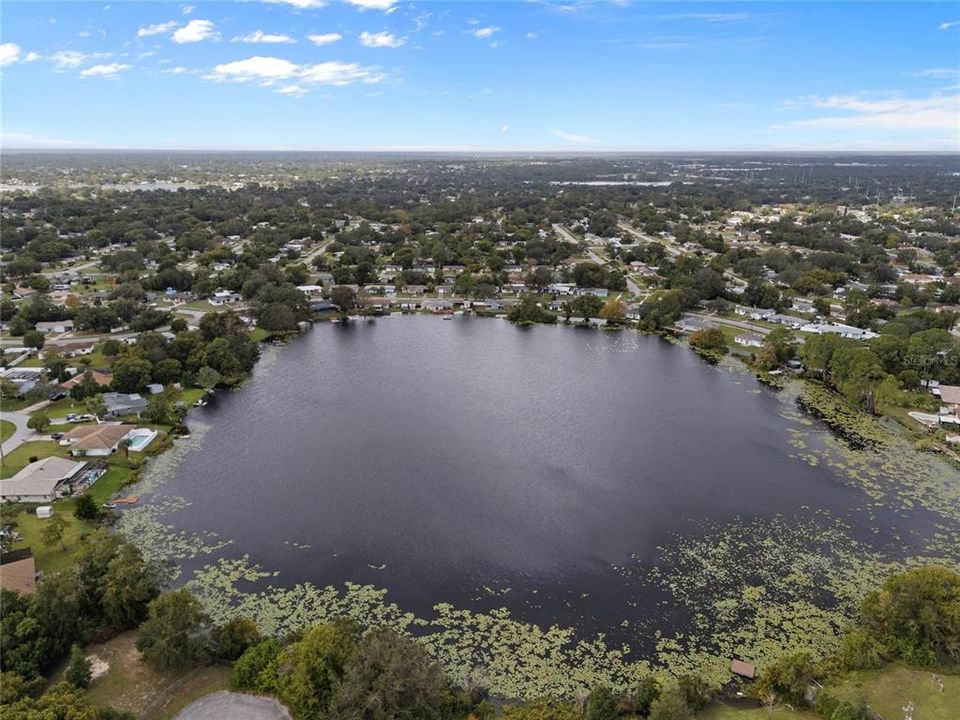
592 254
21 434
739 324
235 706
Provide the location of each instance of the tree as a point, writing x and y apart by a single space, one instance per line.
313 667
39 421
174 635
586 306
130 584
277 317
86 508
131 374
78 671
696 691
916 615
670 706
788 677
249 671
33 339
529 311
208 378
390 677
711 339
614 310
96 406
53 529
232 639
601 705
643 696
344 298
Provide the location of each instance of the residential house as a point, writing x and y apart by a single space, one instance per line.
225 297
120 404
749 340
847 331
41 481
789 321
55 326
96 440
596 292
949 396
73 349
18 572
754 313
100 378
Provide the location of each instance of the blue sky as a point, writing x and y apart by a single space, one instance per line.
535 75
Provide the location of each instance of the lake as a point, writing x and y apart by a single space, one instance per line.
484 465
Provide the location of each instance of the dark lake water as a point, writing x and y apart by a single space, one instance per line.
451 461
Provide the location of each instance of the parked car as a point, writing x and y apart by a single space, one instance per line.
56 395
72 417
57 436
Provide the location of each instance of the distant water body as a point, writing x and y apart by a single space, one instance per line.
482 464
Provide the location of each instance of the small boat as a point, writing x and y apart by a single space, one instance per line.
200 403
448 317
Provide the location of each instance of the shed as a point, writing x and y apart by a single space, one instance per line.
743 669
45 511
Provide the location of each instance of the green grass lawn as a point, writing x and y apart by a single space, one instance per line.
259 334
14 404
722 711
132 686
7 429
15 461
888 691
51 559
116 477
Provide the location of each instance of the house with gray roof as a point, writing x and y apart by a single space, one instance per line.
120 404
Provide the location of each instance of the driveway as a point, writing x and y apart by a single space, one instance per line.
235 706
20 435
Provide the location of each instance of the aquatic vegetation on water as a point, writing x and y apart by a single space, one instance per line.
752 588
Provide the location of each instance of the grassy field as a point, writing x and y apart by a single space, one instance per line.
15 461
132 686
889 690
7 429
721 711
51 559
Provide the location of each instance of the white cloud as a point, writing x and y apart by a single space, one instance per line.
938 112
504 128
156 29
485 32
178 70
939 73
293 91
31 57
708 17
259 36
339 73
254 68
27 140
187 9
300 4
270 71
65 59
196 31
385 5
324 38
948 25
111 70
531 36
380 40
573 137
9 54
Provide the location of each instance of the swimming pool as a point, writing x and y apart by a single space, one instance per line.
140 438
